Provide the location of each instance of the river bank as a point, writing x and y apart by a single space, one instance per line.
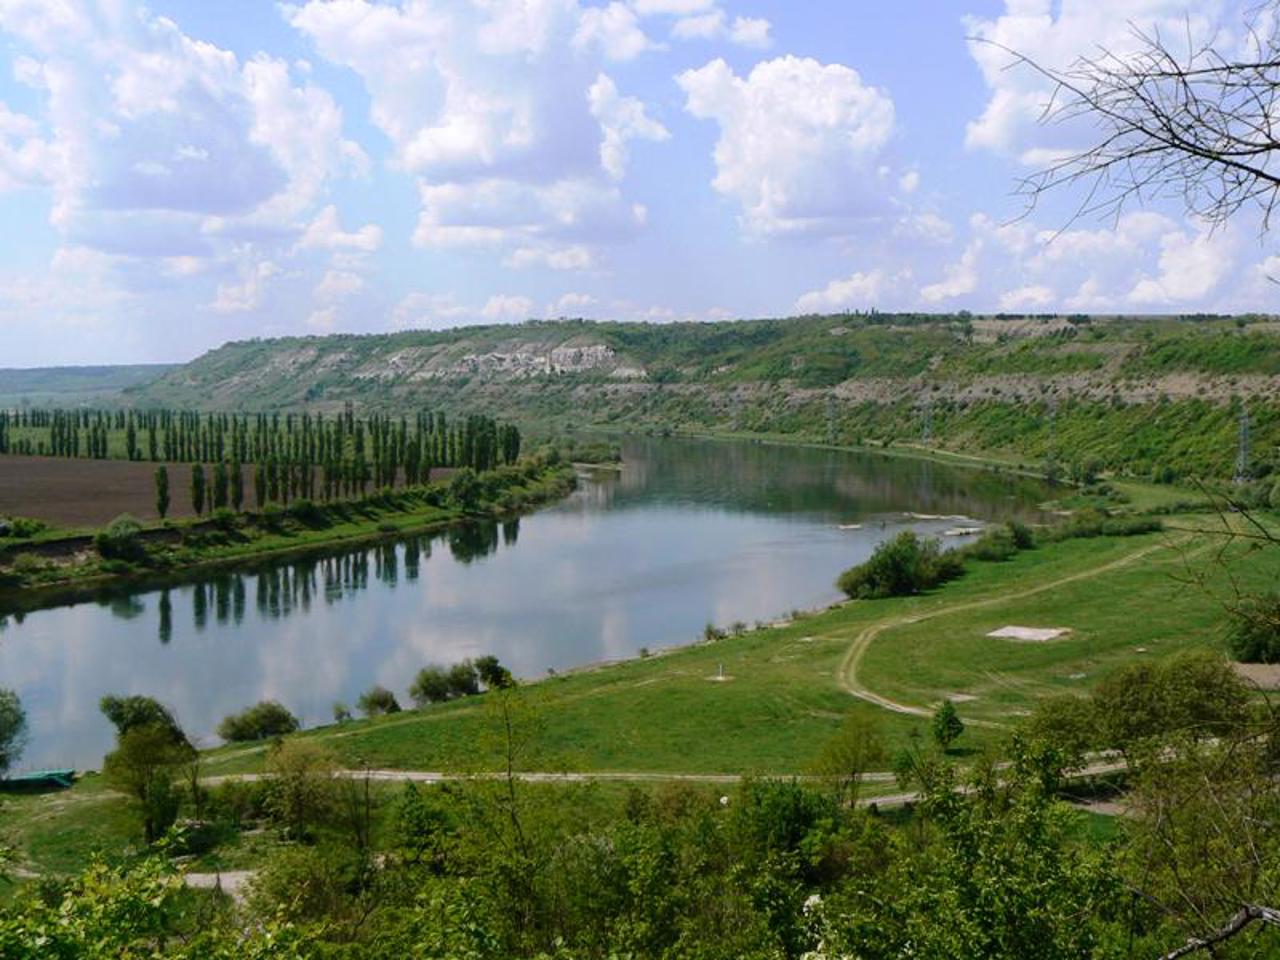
50 571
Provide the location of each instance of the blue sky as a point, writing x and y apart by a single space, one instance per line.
178 174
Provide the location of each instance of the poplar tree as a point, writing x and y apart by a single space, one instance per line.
197 488
162 491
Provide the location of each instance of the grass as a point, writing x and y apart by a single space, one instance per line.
784 694
58 833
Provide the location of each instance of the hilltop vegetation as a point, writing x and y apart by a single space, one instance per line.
1152 397
74 386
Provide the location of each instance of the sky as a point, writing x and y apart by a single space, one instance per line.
181 173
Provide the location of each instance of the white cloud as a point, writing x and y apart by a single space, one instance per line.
434 311
338 285
502 308
1192 265
246 294
909 181
751 32
673 7
614 30
570 305
490 106
800 142
704 26
1031 297
959 278
861 291
575 257
325 232
1054 35
160 147
621 119
712 23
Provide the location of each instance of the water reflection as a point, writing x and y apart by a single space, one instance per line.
687 533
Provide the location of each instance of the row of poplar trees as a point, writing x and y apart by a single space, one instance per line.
377 449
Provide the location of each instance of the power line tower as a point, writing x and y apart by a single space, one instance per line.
1242 453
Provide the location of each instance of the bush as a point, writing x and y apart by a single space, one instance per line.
493 674
1253 634
223 519
308 513
262 720
994 546
376 701
463 680
1023 537
431 685
20 528
900 567
121 540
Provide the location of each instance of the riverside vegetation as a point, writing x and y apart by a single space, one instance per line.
368 477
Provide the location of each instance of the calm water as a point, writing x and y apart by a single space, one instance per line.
687 533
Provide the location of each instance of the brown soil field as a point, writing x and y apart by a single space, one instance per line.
92 493
89 493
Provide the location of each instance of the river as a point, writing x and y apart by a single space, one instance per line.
685 534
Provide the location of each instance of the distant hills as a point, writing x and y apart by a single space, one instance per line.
74 386
1160 395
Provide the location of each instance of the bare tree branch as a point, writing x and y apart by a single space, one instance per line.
1191 124
1246 916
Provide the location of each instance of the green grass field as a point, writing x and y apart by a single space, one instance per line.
787 689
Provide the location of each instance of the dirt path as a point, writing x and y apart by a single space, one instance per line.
847 672
537 776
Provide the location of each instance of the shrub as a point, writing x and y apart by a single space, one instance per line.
994 546
1023 537
431 685
271 518
899 567
307 512
262 720
1253 634
121 540
20 527
376 701
493 674
463 680
341 712
223 519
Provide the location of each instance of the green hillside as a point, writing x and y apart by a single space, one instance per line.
1149 396
74 386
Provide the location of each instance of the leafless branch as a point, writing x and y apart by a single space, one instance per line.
1246 916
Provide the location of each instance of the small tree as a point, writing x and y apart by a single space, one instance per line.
300 796
237 486
1253 633
259 722
899 567
947 725
197 488
221 485
126 713
13 730
162 491
463 680
493 674
856 748
143 765
376 701
431 685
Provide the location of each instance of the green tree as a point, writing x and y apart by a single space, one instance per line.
493 674
197 488
13 730
126 713
259 485
854 750
899 567
431 685
258 722
143 766
237 486
947 725
162 491
376 701
221 485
